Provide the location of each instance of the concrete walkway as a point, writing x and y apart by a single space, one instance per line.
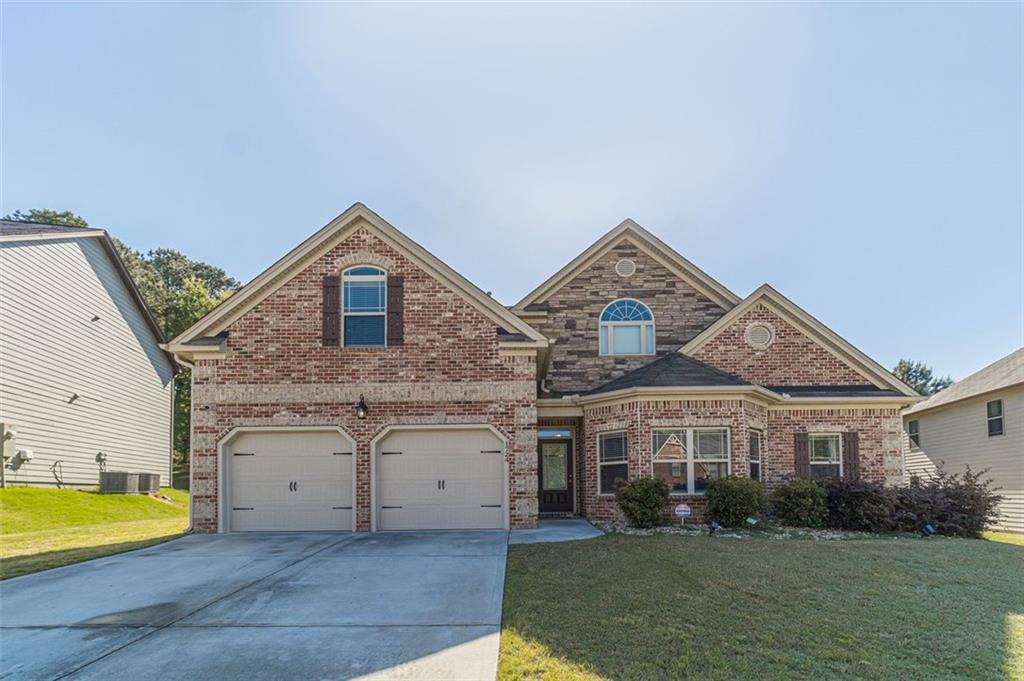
567 529
264 606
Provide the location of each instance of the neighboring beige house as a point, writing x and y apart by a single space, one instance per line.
978 421
81 369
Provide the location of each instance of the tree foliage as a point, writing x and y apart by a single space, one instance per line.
177 290
919 376
48 217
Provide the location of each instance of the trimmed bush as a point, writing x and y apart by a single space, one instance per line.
955 504
800 503
732 500
643 500
860 506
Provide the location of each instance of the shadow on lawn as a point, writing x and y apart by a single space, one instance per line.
15 566
678 608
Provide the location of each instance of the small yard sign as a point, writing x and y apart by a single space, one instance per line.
682 512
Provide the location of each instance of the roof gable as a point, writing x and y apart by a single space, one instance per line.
812 328
630 231
1004 373
32 232
356 217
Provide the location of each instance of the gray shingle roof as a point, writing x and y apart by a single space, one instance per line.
833 391
31 229
673 370
1008 371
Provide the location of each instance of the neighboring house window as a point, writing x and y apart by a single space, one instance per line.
689 459
914 430
364 298
612 462
670 459
826 459
995 417
755 455
627 328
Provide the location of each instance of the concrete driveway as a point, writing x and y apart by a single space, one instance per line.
411 605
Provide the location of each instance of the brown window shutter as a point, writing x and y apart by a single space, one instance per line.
332 311
851 456
396 309
802 454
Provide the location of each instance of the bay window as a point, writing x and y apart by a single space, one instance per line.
612 461
688 459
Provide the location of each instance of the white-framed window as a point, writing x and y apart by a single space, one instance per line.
612 461
364 307
994 410
826 455
755 455
690 458
914 433
626 328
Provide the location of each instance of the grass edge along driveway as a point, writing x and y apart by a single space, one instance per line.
671 607
42 528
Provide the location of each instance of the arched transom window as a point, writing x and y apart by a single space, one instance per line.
364 296
627 328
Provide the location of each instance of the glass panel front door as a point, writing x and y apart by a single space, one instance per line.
554 462
555 465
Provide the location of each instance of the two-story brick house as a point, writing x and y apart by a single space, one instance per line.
361 384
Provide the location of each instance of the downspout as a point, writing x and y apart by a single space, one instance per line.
191 368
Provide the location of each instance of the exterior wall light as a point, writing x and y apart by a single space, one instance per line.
361 409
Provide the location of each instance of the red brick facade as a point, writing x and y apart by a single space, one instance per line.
451 368
793 358
448 370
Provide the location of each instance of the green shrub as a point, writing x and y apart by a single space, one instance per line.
643 500
860 505
800 503
732 500
960 505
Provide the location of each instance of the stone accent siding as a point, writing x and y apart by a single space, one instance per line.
449 370
680 313
793 358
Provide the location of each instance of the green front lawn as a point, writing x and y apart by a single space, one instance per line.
671 607
44 528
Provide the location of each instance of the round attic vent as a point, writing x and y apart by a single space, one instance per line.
760 336
625 267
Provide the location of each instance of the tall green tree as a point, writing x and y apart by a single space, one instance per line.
920 377
48 217
177 290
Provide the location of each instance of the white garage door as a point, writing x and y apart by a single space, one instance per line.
297 480
440 480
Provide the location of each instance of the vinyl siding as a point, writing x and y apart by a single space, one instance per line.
50 350
958 435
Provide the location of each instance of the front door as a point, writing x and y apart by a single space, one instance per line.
554 461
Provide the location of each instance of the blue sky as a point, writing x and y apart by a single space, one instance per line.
864 159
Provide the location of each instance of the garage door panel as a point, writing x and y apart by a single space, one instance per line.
285 519
450 517
290 480
475 491
307 466
469 462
